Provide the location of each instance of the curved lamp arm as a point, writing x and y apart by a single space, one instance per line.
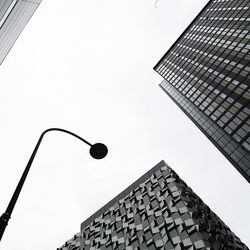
97 151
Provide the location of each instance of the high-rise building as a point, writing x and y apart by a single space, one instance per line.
206 73
158 211
14 15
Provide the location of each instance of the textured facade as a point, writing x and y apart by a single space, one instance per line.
158 211
14 15
206 73
72 244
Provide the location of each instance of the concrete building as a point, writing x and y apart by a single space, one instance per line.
14 15
158 211
206 73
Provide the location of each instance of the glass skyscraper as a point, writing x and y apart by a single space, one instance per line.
14 15
206 73
158 211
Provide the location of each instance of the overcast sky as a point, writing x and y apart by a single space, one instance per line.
86 66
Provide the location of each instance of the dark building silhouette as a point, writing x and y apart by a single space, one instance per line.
206 73
14 15
158 211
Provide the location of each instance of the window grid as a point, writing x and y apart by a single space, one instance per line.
170 79
192 42
211 130
226 100
212 101
209 66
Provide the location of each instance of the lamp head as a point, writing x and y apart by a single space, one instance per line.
98 150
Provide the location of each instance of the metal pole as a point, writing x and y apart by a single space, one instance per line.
97 151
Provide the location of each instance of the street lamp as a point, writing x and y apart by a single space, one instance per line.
97 151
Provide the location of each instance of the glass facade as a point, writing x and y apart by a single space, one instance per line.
158 211
208 67
14 15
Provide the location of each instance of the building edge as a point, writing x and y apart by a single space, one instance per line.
182 34
37 4
125 192
207 135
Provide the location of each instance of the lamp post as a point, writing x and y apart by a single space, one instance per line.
97 151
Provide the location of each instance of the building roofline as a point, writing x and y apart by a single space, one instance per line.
124 193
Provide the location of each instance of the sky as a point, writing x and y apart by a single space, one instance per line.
87 66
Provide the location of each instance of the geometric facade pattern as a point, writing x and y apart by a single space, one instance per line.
158 211
207 74
72 244
14 15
